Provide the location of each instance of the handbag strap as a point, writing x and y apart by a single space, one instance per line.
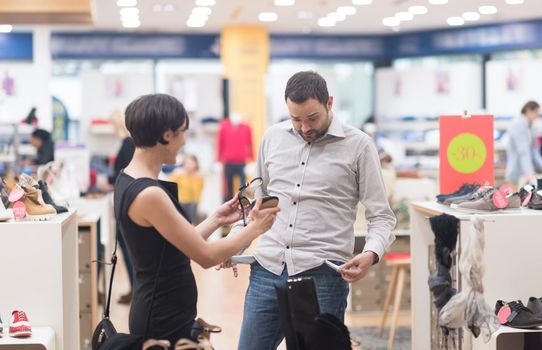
114 264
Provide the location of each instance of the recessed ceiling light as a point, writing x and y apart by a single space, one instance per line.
438 2
197 17
417 10
337 17
6 28
362 2
346 10
169 8
326 22
455 21
202 11
487 10
514 2
205 2
129 11
126 3
131 24
404 16
157 7
268 17
284 2
390 22
471 16
195 24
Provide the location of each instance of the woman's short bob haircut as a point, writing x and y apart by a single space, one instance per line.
149 116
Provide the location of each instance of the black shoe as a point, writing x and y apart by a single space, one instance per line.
535 305
47 198
526 192
515 314
463 190
536 200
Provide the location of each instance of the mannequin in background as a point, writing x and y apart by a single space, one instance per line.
42 141
234 149
123 158
523 159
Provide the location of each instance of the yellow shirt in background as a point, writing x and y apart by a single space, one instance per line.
189 186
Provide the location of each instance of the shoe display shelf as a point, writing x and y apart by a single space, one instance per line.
88 225
43 338
512 269
40 274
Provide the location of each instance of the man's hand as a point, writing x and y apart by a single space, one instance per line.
357 268
226 265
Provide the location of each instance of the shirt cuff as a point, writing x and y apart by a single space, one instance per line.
375 247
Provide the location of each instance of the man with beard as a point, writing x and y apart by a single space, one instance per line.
320 169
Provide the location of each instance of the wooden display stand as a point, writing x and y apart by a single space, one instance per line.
40 275
512 267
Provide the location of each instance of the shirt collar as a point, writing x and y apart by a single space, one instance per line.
335 128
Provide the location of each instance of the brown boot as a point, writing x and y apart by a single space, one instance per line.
35 210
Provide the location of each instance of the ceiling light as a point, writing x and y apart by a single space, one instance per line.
404 16
362 2
417 10
487 10
157 7
346 10
438 2
205 2
284 2
169 8
390 22
195 24
268 17
326 22
126 3
131 24
129 11
337 17
471 16
6 28
202 11
514 2
455 21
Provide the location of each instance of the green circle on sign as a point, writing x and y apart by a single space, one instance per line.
466 153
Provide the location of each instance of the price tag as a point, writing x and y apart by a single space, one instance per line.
19 210
467 153
500 200
507 189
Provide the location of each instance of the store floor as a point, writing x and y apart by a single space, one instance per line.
221 296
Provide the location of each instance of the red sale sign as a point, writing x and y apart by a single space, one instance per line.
466 151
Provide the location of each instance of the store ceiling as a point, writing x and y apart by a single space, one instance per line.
172 15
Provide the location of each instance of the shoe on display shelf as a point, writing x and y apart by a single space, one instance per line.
536 200
472 196
535 305
515 314
47 197
463 190
35 210
1 328
5 214
487 202
4 197
19 326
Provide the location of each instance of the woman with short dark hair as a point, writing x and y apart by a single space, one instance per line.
45 147
160 240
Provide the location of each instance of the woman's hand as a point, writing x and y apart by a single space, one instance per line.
228 213
263 219
226 265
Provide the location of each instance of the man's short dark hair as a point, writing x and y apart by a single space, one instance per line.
529 106
149 116
305 85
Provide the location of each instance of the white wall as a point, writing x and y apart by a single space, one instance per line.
31 81
414 91
512 83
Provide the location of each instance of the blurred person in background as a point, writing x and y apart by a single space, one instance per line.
523 159
190 184
42 141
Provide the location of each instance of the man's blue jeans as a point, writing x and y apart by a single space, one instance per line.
261 329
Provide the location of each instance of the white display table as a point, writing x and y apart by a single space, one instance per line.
513 247
43 338
40 275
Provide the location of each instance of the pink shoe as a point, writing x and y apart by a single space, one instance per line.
19 326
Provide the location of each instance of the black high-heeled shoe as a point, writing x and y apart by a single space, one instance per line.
247 201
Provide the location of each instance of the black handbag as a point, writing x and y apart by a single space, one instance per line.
105 336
